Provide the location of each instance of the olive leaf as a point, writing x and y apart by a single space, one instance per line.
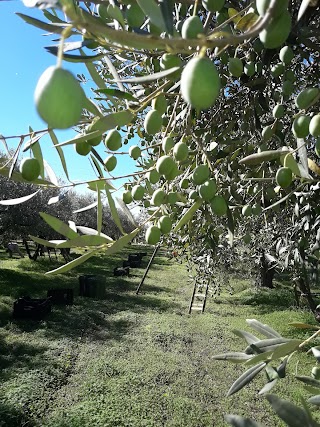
234 357
114 210
58 225
281 369
261 356
308 381
291 414
99 211
286 348
289 161
117 94
316 353
269 386
153 12
250 338
73 58
304 6
188 215
301 325
234 14
56 199
230 226
303 156
51 28
247 21
263 156
86 240
166 7
264 329
72 264
17 201
80 138
125 210
50 173
32 140
245 378
112 120
315 400
55 142
97 165
92 232
122 242
150 77
49 243
312 165
267 345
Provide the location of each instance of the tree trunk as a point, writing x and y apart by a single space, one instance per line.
304 288
303 283
266 272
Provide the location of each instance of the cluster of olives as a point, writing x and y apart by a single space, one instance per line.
279 29
302 126
60 100
199 185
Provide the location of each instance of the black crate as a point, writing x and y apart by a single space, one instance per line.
135 264
31 308
131 264
92 286
62 296
121 271
142 254
134 257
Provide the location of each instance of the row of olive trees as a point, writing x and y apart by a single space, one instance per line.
18 221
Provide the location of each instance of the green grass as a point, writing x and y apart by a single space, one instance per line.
133 360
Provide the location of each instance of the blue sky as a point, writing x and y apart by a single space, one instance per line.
23 60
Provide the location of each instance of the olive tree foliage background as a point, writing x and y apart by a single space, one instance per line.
220 137
130 67
18 221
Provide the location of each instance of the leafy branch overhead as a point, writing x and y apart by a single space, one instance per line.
184 60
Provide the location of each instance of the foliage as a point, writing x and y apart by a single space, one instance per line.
131 73
257 137
272 354
19 221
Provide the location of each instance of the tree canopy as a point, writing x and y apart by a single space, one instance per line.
221 99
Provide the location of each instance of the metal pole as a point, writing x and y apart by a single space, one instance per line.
147 269
192 298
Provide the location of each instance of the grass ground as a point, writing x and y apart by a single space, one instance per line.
132 360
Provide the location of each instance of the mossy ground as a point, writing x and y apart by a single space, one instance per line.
133 360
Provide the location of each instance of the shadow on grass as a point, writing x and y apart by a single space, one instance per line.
267 300
94 315
11 416
88 318
86 313
19 353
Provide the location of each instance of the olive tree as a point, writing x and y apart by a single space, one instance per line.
223 98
